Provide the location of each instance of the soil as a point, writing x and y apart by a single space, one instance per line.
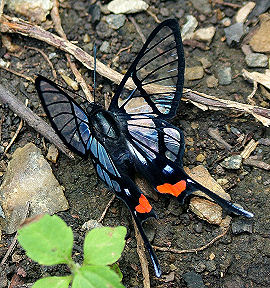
236 260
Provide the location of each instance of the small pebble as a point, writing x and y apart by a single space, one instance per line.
127 7
241 226
52 154
232 162
91 224
199 267
225 75
86 38
189 27
205 34
200 158
194 73
116 21
105 47
226 22
198 227
211 81
222 181
256 60
193 280
205 63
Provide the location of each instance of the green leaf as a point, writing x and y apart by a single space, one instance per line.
48 241
53 282
103 246
96 277
117 270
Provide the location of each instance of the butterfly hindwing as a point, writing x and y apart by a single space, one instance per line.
161 64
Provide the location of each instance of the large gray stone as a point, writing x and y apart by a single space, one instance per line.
28 179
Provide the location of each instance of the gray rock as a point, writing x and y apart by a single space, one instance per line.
193 280
232 162
29 179
256 60
116 21
234 33
105 47
127 7
224 75
202 6
241 226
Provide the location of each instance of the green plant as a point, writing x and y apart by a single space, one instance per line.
49 241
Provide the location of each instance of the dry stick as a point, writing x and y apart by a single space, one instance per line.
137 28
6 97
154 16
16 133
204 101
214 133
2 4
28 78
106 209
142 256
58 27
194 250
46 58
1 122
14 241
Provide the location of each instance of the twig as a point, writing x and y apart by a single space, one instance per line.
14 25
137 28
249 97
256 163
154 16
227 4
194 250
14 241
142 257
106 209
18 74
124 49
17 132
58 27
6 97
1 122
46 58
214 133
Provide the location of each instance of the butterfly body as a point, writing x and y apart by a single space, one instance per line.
133 136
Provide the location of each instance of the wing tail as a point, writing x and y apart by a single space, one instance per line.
227 205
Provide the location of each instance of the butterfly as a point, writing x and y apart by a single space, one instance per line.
133 135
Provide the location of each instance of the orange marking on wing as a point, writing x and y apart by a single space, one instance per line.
175 189
144 206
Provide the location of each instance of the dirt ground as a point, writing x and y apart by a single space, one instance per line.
240 260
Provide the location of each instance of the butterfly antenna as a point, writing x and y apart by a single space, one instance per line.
95 66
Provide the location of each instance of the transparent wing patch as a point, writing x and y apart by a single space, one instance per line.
161 64
152 138
67 118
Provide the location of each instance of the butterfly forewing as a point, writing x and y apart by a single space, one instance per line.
157 73
67 118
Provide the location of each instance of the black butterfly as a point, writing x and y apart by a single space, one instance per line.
133 136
